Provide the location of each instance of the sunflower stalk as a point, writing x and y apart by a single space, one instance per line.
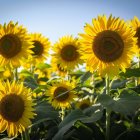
32 68
138 66
25 135
108 112
62 114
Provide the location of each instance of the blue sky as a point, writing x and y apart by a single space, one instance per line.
55 18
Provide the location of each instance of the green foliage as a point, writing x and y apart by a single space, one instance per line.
71 120
131 72
127 103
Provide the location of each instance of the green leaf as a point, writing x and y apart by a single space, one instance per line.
127 103
45 110
131 72
85 76
93 109
73 116
118 84
43 66
26 73
105 100
70 120
30 82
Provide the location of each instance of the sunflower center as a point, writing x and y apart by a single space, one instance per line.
138 36
108 46
10 45
12 107
69 53
60 94
38 48
84 106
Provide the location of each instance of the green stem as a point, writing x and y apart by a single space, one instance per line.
32 68
62 114
107 110
138 66
25 135
16 74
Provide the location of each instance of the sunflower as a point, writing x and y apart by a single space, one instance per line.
84 103
61 94
15 44
41 47
108 45
61 71
66 53
5 73
135 24
43 75
16 108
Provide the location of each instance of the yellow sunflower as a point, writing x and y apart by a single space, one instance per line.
60 94
5 73
41 47
15 44
84 103
108 45
61 71
16 108
43 75
135 24
66 52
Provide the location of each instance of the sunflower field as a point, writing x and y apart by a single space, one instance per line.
79 88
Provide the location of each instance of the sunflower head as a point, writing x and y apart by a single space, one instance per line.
41 47
14 44
108 45
16 108
66 52
135 24
60 71
84 103
61 94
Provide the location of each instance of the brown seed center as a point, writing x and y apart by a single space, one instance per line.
84 106
108 46
138 36
12 107
60 94
38 48
10 45
69 53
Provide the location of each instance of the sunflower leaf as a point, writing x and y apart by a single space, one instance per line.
71 119
131 72
85 76
127 103
30 82
43 66
45 110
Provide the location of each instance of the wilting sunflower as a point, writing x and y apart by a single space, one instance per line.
41 47
84 103
60 94
66 52
135 24
16 108
15 44
107 45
